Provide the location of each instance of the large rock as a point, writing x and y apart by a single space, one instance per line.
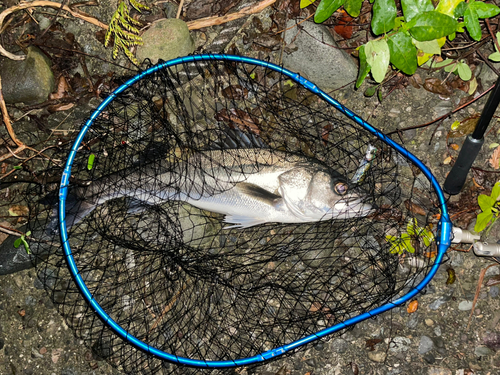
29 81
316 57
166 39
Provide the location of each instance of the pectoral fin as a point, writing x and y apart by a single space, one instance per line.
242 221
258 193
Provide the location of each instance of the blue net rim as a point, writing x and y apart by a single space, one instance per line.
443 240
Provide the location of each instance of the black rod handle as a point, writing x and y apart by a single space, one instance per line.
456 178
488 111
458 174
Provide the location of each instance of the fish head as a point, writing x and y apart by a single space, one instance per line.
332 197
314 194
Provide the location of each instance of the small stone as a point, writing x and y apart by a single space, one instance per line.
69 371
2 343
439 371
429 358
43 350
439 302
465 305
319 346
412 323
429 322
377 356
482 351
339 345
399 344
425 345
494 291
492 271
166 39
438 341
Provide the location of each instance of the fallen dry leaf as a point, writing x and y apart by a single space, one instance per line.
495 158
22 312
414 208
412 307
454 146
436 86
18 210
447 160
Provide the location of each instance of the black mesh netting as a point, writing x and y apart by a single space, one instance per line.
172 274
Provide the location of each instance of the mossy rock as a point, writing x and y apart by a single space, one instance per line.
166 39
29 81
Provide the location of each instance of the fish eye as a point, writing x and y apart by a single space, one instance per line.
341 188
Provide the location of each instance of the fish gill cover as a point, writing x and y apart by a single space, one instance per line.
174 271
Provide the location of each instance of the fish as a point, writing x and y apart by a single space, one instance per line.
250 186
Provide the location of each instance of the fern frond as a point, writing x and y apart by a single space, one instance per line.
124 29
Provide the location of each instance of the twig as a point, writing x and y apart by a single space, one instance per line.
212 21
54 18
179 9
492 35
168 307
43 3
478 289
6 118
291 27
445 115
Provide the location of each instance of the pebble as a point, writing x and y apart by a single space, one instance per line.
494 291
438 341
377 356
399 344
465 305
69 371
425 345
339 345
439 371
429 322
482 351
429 358
439 302
413 321
492 271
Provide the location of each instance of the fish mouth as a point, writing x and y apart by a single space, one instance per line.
351 207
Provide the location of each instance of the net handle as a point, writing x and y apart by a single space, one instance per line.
444 231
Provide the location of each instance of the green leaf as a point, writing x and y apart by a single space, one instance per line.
364 68
403 54
451 68
440 64
379 95
17 167
407 243
430 46
460 9
378 57
90 162
325 9
485 202
495 56
384 15
495 192
484 10
28 233
17 242
432 25
306 3
26 245
370 91
482 221
471 20
464 71
411 8
448 7
353 7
